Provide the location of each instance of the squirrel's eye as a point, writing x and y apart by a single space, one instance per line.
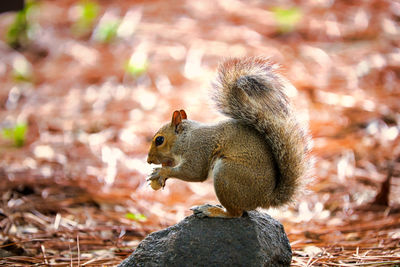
159 140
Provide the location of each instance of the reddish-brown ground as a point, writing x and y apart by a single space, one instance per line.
75 192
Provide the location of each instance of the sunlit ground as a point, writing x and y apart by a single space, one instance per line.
89 83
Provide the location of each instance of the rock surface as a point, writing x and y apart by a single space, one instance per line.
255 239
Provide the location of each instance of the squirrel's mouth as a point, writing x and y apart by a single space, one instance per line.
167 162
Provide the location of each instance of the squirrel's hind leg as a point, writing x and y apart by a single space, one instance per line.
236 185
229 182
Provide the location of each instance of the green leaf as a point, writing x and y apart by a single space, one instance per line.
287 18
19 31
90 10
136 70
106 30
136 217
7 133
137 65
87 14
22 69
17 134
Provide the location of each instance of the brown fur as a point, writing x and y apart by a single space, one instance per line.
257 158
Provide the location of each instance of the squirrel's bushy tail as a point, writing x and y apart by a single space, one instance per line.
250 90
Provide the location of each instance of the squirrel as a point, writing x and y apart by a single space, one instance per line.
257 158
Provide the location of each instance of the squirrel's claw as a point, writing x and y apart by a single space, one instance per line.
155 179
208 210
155 175
201 211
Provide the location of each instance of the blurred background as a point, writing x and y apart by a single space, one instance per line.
84 85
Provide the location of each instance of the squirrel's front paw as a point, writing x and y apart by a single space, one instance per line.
156 180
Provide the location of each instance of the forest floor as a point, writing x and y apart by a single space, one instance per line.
82 96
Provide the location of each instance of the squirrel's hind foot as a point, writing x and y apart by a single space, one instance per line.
218 211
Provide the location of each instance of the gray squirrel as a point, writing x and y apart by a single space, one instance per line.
257 158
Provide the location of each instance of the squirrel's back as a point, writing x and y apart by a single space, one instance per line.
251 91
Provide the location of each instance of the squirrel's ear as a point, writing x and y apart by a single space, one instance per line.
183 114
176 118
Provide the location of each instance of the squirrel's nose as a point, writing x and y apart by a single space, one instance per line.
151 159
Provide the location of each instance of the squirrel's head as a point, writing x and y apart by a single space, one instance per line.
164 140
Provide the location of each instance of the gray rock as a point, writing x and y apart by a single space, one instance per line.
255 239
